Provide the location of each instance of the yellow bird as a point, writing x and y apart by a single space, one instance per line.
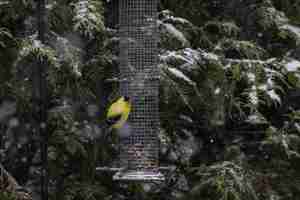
118 112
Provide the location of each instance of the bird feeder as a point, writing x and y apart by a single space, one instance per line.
139 80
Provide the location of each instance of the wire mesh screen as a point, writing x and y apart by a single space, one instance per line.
139 81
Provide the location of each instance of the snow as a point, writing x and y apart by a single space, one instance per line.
175 32
272 94
210 56
253 118
292 66
51 5
191 55
76 70
251 61
84 15
4 2
251 77
217 91
270 83
227 66
169 54
14 122
168 16
93 17
37 44
292 28
297 126
43 125
179 74
256 118
186 118
188 55
253 96
271 72
179 20
172 54
263 87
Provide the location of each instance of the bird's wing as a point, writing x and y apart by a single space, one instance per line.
113 119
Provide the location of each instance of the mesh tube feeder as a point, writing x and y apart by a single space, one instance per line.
138 67
139 80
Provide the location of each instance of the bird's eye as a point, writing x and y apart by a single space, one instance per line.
126 98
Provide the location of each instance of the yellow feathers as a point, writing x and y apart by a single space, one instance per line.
118 112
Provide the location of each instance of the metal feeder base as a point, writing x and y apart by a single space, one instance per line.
138 176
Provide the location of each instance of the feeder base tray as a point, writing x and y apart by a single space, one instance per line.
139 176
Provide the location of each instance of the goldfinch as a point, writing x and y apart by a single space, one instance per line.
118 112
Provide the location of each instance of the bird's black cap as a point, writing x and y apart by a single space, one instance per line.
126 98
